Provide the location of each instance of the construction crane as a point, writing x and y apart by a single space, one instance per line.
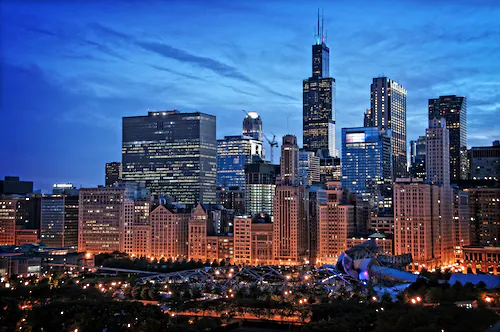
272 143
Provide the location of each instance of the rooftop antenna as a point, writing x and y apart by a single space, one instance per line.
322 27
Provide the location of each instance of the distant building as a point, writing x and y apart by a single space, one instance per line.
260 187
11 185
290 227
319 101
137 227
197 234
454 110
65 189
461 222
59 221
106 215
437 162
481 259
8 208
485 162
252 126
289 162
173 153
220 248
334 222
113 173
484 213
418 228
366 165
417 158
383 241
231 198
382 224
330 169
242 240
233 153
169 232
388 111
309 168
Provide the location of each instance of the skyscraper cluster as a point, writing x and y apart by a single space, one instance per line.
179 192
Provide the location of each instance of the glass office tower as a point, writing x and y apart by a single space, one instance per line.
388 111
173 153
454 110
233 153
367 164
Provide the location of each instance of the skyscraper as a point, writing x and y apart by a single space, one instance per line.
113 173
417 158
485 162
260 187
290 227
417 223
334 222
252 126
319 101
233 153
454 110
366 164
309 168
437 161
59 221
173 152
289 163
101 220
388 111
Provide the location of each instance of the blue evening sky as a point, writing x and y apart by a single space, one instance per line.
70 70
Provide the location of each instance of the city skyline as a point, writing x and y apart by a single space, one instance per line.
66 100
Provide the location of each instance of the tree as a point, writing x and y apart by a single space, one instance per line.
145 293
153 293
136 292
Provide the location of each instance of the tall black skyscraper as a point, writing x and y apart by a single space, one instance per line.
173 153
388 111
319 100
454 110
113 173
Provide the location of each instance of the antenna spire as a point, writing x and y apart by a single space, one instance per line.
322 26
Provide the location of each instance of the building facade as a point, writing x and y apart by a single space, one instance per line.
101 220
8 208
290 227
113 173
169 233
11 185
233 153
260 187
367 164
59 221
485 162
454 110
319 102
309 168
252 126
289 161
173 153
330 169
197 234
417 158
388 111
418 228
242 240
335 219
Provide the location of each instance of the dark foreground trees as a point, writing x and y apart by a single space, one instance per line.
347 316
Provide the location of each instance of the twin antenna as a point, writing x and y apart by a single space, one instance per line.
320 32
